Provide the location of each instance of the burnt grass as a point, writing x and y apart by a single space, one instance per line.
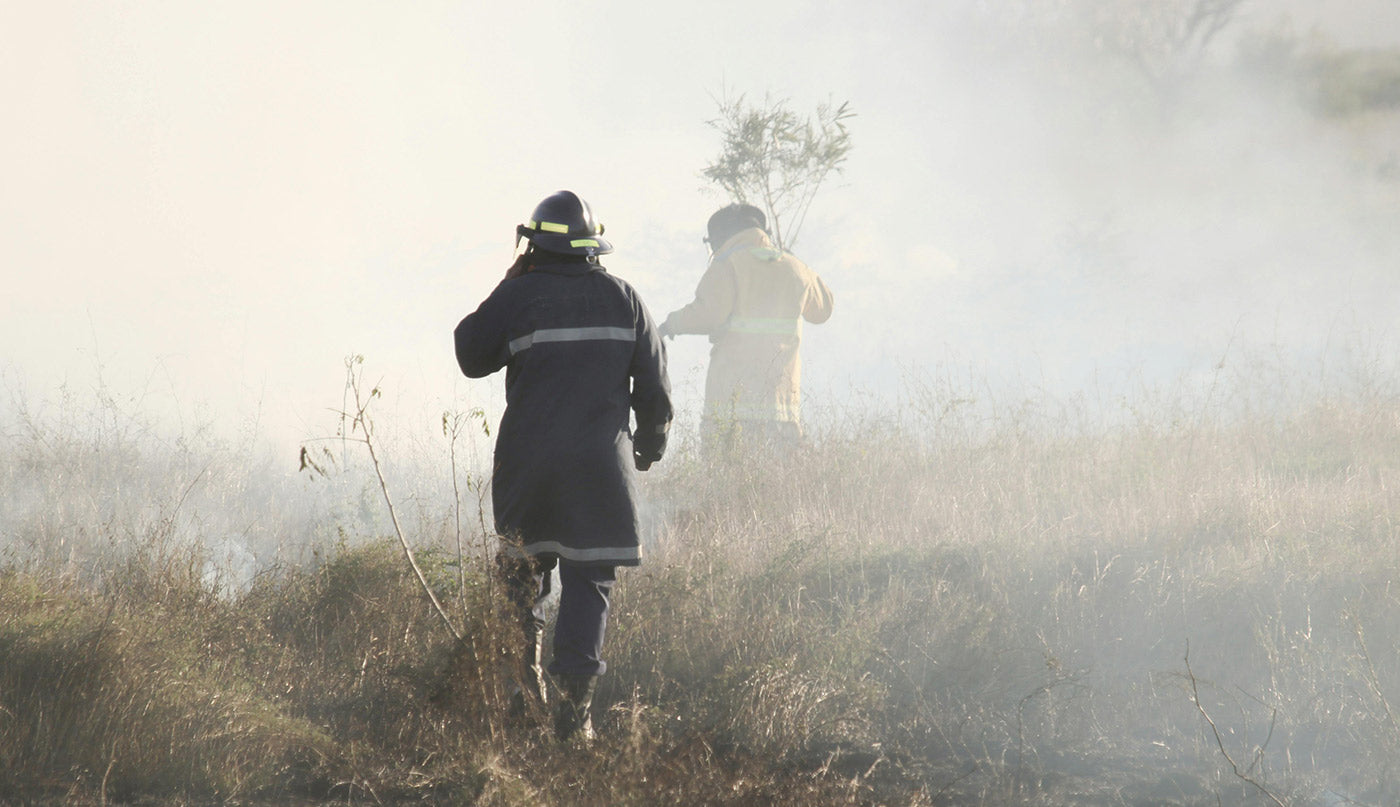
1178 610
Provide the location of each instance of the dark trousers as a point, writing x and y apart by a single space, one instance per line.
583 608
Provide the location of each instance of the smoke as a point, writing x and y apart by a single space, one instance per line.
207 209
219 206
1050 212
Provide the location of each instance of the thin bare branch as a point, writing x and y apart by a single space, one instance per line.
361 420
1219 741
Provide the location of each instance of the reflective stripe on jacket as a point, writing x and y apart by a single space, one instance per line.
581 354
751 302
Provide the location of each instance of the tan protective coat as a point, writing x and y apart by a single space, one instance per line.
751 302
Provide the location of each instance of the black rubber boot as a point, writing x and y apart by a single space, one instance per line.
572 720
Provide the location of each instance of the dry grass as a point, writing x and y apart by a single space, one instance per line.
951 604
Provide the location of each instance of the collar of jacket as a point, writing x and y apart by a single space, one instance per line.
573 268
752 237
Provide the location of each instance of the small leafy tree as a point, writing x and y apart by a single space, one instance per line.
774 158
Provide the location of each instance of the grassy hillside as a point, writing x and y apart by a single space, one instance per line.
943 602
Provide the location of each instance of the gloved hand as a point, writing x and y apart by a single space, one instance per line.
647 449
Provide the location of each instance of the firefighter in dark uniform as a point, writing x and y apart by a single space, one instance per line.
581 354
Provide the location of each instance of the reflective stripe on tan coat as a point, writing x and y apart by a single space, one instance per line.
751 302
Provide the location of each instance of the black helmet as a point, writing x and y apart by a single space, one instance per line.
730 219
563 223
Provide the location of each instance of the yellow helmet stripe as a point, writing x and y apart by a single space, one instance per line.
583 242
551 227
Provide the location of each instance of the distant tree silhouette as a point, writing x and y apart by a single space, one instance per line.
1165 40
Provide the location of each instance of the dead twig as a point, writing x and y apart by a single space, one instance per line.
1219 741
362 422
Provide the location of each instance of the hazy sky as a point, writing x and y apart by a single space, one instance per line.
214 203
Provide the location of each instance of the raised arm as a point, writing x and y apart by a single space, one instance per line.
816 309
481 338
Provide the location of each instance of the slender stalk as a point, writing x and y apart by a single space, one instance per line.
1220 742
456 421
363 422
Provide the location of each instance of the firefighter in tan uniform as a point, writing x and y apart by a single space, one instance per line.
751 302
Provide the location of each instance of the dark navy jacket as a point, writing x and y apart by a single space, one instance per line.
581 353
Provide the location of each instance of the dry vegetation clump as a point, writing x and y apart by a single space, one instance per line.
128 691
956 605
1017 609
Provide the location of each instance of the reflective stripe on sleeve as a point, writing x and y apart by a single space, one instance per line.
571 335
